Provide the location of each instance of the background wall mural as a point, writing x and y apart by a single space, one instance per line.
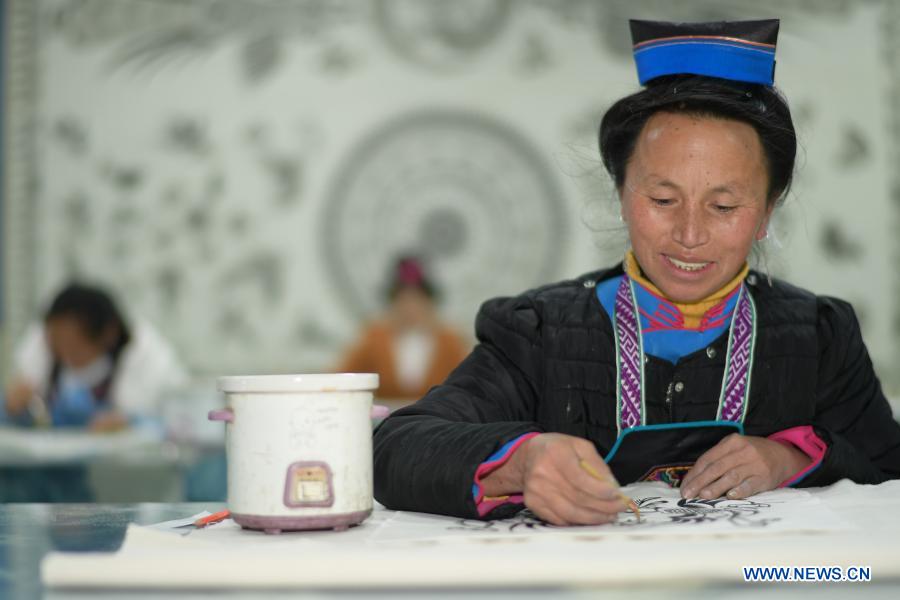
242 173
460 189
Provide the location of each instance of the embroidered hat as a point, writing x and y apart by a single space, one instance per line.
409 272
736 50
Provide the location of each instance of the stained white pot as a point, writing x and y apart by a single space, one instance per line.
299 449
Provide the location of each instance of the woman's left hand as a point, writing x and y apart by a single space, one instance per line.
740 466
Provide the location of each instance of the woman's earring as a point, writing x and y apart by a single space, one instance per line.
771 238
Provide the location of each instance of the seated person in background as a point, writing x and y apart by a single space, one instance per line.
85 366
409 348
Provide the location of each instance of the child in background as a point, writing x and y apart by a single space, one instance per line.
85 366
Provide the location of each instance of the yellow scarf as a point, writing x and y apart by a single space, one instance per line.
694 311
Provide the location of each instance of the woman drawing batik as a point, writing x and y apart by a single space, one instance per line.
681 362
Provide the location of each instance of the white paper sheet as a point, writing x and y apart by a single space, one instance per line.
663 512
21 446
181 526
844 525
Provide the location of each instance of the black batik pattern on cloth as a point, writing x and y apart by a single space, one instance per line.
694 511
655 511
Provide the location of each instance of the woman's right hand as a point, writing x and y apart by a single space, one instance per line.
546 470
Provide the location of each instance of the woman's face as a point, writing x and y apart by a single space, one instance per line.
71 344
412 308
694 200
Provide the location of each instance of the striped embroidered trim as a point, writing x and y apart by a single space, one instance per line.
701 38
629 358
735 393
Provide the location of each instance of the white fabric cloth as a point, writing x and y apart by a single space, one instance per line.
845 524
148 368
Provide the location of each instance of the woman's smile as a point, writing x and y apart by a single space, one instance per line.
694 201
688 267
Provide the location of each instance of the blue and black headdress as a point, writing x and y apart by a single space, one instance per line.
735 50
724 68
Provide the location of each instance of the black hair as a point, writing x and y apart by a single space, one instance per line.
95 311
762 107
93 308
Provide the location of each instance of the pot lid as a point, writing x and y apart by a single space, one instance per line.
307 382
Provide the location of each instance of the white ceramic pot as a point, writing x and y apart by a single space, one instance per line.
299 449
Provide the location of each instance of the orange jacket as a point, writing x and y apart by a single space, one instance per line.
374 353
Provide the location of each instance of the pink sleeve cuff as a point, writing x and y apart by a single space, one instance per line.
804 439
486 504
